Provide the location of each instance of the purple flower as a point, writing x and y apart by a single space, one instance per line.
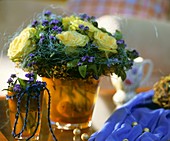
91 59
31 79
13 75
10 80
120 41
17 88
42 84
29 75
52 37
33 63
29 64
84 58
58 29
88 58
31 55
47 13
42 40
45 22
79 63
81 26
84 16
55 21
86 28
34 23
55 28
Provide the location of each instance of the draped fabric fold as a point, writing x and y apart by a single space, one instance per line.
138 120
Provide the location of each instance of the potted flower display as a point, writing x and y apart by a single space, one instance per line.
71 53
25 97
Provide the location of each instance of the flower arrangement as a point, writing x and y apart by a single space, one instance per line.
25 97
70 47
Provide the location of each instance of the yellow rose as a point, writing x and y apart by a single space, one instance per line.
105 42
72 38
67 20
21 45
